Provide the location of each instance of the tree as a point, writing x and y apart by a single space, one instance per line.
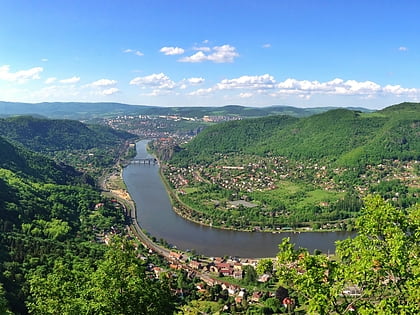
273 304
62 291
265 265
120 285
250 275
4 308
378 271
383 260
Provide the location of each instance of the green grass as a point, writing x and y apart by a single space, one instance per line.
288 188
297 195
190 190
315 197
198 307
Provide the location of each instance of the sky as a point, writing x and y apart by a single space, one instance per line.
211 53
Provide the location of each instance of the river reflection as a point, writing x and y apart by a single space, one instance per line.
155 215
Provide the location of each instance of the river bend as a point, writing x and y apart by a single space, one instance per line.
155 215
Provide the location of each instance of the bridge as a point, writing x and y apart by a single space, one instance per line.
144 161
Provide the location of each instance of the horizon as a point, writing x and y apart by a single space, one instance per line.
197 106
166 54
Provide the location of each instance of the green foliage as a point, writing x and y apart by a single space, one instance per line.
121 285
4 308
117 285
46 218
265 265
250 275
377 272
62 291
89 148
46 135
236 136
308 172
35 166
341 135
54 229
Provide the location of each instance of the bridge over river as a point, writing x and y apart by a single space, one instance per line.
144 161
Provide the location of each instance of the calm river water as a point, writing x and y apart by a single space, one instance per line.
155 215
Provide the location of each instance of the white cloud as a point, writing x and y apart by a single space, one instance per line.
156 80
132 51
266 85
266 45
202 48
71 80
170 51
195 81
245 95
201 92
44 59
50 80
225 53
185 83
398 90
341 87
103 87
218 54
103 83
110 91
264 81
20 76
197 57
402 48
161 92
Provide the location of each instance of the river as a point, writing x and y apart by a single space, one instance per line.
155 215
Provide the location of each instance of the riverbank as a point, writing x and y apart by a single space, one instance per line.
157 216
184 211
120 194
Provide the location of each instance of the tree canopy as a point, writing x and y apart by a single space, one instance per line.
377 272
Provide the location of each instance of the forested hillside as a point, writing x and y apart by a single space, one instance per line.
51 232
88 148
279 172
43 135
342 136
239 137
36 167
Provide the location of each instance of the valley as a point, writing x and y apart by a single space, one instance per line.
271 174
281 173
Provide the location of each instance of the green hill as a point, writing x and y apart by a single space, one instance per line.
342 136
242 136
47 213
46 135
307 172
35 166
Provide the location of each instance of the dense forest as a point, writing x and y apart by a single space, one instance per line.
44 135
88 148
340 136
52 229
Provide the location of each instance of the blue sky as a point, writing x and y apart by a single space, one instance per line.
211 53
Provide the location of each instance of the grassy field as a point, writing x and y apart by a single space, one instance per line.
296 196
